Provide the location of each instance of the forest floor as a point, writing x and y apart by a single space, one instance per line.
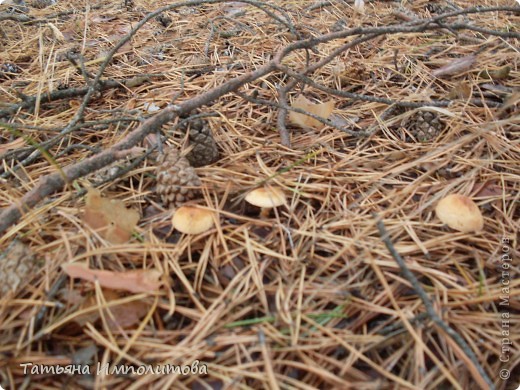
355 281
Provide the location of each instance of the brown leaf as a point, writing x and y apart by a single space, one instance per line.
127 314
487 189
322 109
496 74
109 217
16 144
461 91
90 316
123 315
456 66
142 280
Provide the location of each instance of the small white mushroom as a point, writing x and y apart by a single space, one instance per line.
266 198
460 213
192 220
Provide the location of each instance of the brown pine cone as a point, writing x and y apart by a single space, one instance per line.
424 125
177 181
204 148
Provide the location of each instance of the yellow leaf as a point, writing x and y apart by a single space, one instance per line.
109 217
322 109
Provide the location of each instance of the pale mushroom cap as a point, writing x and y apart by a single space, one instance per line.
192 220
266 197
460 213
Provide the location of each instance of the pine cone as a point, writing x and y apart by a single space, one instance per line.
424 125
204 148
177 181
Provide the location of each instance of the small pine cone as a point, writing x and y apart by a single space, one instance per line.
204 151
177 181
424 125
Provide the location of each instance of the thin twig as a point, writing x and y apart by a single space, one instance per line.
53 182
50 295
69 93
428 303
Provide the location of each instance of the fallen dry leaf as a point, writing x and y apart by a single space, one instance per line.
142 280
461 91
109 217
489 188
456 66
127 314
322 109
495 74
123 315
16 144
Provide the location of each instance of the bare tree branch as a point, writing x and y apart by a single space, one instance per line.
429 306
54 182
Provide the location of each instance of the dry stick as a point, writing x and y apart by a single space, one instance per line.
475 10
369 35
29 101
421 25
375 99
16 17
283 107
48 296
285 137
97 83
55 181
26 151
428 303
123 171
28 20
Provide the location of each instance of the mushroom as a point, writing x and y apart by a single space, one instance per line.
266 198
192 220
460 213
